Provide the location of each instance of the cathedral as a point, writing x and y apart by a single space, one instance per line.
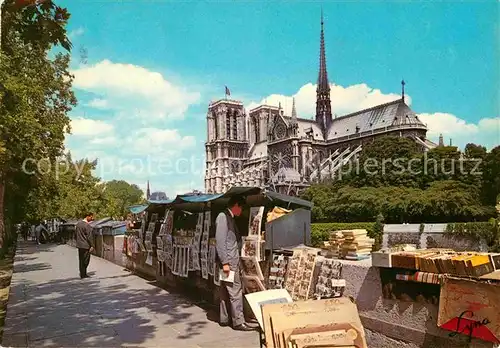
286 153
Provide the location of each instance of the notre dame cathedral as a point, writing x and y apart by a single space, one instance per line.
285 153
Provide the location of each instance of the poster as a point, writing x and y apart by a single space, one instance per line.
277 272
252 284
251 267
255 221
470 308
159 243
149 259
204 269
169 221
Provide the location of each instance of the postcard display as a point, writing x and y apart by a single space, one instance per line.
252 252
183 250
135 243
309 275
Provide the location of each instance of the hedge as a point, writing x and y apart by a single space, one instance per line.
320 232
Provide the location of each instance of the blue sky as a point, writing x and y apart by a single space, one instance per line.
151 69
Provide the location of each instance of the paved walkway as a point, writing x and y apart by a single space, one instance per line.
50 307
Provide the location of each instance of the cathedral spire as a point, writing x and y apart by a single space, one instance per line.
323 105
294 111
148 192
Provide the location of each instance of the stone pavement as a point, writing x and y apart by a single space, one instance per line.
49 306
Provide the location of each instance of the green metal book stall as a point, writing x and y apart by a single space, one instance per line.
173 240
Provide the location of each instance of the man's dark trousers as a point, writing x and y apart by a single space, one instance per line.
84 260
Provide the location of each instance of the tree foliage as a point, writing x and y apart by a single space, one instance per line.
118 196
404 185
35 97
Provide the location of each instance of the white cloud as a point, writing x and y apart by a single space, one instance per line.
486 132
358 97
135 89
87 127
344 99
76 32
107 140
98 103
157 141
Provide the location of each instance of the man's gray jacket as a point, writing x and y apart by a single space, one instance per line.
84 236
228 240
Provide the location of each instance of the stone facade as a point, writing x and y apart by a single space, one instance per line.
285 153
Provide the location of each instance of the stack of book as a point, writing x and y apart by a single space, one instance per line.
446 261
357 245
334 245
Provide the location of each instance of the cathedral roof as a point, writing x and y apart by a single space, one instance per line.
393 114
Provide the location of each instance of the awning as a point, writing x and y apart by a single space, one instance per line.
137 209
242 191
288 199
255 194
195 198
98 223
160 201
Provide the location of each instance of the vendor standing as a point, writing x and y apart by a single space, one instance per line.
228 244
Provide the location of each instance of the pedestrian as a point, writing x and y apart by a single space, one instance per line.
84 243
38 232
228 245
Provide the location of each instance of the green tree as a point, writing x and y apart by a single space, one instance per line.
35 97
491 176
386 161
118 196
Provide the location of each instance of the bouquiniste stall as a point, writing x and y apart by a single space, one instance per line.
279 271
175 238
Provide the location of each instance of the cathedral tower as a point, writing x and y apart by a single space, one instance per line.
227 143
323 105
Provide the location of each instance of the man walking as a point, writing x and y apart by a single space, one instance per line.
228 245
84 243
38 232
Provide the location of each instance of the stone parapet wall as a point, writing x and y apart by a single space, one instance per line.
430 236
395 323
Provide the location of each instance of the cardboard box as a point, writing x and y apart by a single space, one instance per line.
285 322
470 308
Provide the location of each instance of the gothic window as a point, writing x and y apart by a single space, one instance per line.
216 127
235 127
257 130
228 126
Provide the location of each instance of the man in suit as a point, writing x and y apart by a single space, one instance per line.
84 243
228 245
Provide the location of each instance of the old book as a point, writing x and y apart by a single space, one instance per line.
404 260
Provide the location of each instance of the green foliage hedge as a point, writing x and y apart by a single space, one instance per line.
320 232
